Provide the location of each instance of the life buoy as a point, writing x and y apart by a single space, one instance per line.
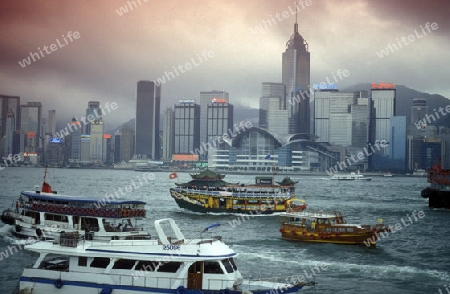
304 234
338 234
58 284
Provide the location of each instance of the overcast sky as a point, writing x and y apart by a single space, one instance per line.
115 51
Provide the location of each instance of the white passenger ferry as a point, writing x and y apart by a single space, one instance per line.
170 264
45 214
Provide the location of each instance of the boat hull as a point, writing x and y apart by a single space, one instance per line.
437 198
41 285
368 239
192 204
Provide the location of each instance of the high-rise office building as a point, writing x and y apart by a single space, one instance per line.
9 110
168 134
340 118
148 100
117 155
85 148
9 104
382 108
51 123
75 152
207 97
30 124
187 127
271 91
10 131
106 148
277 119
96 141
219 120
127 143
95 111
296 77
419 110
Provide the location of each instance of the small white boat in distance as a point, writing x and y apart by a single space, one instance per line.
170 264
350 177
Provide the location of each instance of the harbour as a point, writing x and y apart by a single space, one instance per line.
411 260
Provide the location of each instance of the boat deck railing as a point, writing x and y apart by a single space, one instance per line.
316 213
236 194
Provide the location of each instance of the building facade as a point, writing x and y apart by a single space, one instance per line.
206 97
296 67
187 127
93 110
168 134
148 99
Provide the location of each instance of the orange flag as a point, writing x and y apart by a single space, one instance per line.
173 175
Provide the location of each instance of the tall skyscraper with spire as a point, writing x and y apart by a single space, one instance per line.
296 77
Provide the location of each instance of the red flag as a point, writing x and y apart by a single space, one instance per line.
173 175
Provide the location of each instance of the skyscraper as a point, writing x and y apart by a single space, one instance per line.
296 77
51 122
187 127
97 141
419 110
148 99
75 152
30 124
168 134
219 120
272 91
205 98
9 109
382 108
93 110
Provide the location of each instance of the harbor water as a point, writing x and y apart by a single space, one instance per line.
413 259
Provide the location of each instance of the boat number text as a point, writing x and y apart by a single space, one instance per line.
171 247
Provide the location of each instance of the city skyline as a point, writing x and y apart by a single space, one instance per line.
110 56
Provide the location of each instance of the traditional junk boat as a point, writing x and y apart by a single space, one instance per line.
168 265
45 214
208 192
327 227
351 177
438 193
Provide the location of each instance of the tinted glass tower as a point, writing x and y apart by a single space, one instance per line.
148 99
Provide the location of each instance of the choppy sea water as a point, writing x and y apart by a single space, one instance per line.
416 259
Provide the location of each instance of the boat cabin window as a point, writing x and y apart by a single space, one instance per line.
82 261
229 265
212 267
35 215
124 264
56 217
342 230
100 262
147 265
89 224
349 229
169 267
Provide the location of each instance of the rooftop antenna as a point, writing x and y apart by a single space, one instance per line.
296 24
